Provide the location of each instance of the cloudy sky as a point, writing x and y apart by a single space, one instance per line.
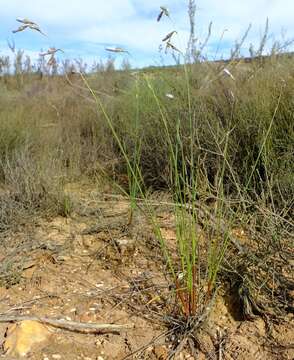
83 28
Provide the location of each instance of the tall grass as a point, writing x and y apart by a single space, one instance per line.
193 146
221 139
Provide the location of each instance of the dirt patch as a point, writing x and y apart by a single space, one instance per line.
93 268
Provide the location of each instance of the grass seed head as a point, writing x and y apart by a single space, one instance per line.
28 24
169 36
227 72
26 21
169 45
116 50
163 11
51 51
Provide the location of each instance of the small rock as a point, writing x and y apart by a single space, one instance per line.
56 356
23 336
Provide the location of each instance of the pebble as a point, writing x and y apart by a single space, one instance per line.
56 356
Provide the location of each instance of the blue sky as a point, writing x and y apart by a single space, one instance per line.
83 28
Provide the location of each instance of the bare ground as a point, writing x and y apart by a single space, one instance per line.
92 267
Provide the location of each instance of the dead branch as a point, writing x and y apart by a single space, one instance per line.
86 328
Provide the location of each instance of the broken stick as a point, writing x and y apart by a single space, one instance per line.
87 328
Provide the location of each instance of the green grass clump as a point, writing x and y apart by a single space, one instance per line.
218 137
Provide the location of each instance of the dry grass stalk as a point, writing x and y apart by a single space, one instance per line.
227 72
52 61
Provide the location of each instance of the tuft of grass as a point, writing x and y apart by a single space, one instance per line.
65 205
213 139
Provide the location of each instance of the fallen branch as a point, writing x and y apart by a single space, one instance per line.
87 328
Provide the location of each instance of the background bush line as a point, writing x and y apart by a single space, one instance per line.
51 126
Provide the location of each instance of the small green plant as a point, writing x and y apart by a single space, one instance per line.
65 206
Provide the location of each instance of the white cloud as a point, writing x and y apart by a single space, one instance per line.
132 23
142 35
73 13
237 15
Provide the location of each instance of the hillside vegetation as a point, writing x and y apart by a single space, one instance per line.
53 130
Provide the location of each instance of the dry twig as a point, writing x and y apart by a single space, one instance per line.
86 328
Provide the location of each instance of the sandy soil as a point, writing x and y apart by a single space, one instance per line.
92 267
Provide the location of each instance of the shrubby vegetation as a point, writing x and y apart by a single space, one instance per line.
205 132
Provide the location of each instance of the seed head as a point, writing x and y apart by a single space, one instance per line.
227 72
163 11
27 24
51 51
169 36
169 45
117 50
